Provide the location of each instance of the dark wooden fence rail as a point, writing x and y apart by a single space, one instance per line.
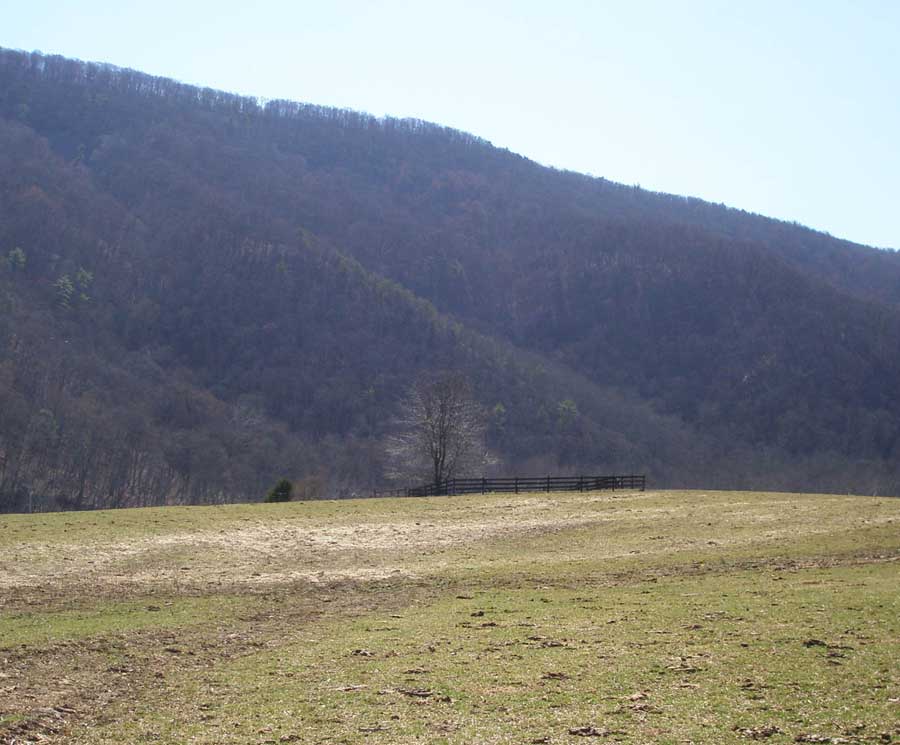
520 484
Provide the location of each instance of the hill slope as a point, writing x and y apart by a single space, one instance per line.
262 281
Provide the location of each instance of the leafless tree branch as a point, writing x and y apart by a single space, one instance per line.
439 432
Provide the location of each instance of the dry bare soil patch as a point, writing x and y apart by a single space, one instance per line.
671 617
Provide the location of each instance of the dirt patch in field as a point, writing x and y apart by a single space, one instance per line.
412 541
283 551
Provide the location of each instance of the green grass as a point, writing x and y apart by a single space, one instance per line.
686 659
39 629
679 617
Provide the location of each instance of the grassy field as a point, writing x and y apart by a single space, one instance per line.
657 617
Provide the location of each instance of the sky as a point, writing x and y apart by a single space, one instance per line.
790 109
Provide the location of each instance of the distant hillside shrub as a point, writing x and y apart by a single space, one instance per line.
283 491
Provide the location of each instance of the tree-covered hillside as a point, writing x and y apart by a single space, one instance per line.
202 293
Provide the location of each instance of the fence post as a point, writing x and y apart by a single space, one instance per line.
548 483
517 484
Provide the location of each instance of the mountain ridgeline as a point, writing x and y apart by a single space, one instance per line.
201 293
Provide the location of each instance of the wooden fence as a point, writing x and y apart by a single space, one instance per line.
518 484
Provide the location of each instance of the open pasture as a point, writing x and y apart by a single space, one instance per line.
652 617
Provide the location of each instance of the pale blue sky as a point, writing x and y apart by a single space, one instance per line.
790 109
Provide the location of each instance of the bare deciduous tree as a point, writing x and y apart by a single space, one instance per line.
439 431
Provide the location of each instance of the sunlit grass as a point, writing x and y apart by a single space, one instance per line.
682 659
40 628
670 617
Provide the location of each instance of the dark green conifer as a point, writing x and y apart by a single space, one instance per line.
283 491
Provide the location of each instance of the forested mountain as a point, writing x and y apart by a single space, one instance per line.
202 292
